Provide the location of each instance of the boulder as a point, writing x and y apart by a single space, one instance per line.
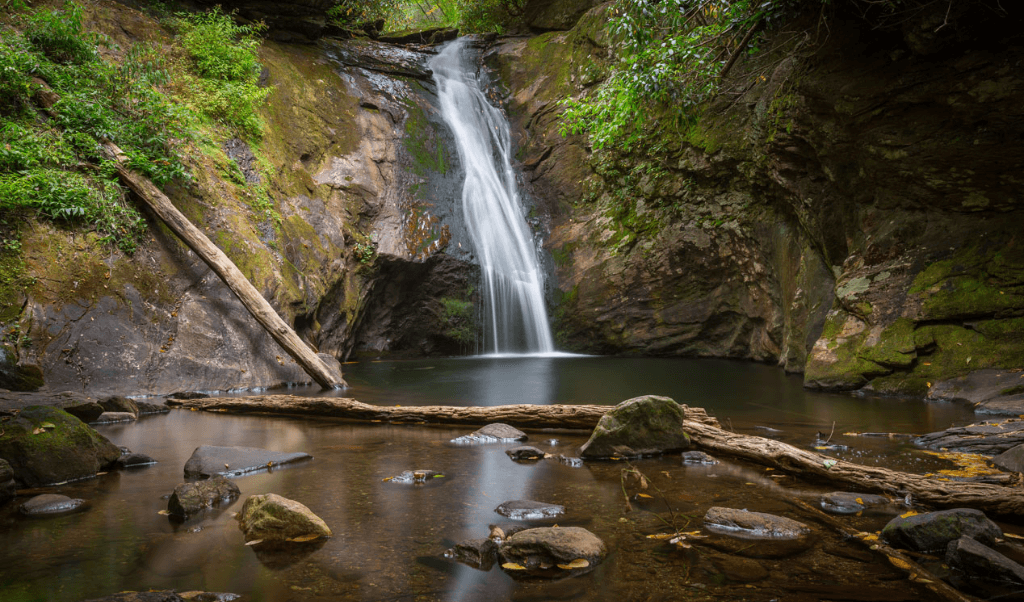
492 433
86 412
7 486
1011 460
192 497
525 452
529 510
561 550
842 502
116 403
477 553
933 531
112 417
46 445
638 427
134 460
277 520
50 504
698 457
209 460
151 408
417 476
758 525
739 570
979 561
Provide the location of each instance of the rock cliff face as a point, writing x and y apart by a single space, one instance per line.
355 160
849 207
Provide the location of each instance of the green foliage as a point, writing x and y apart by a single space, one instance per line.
347 13
222 82
671 55
17 65
365 252
480 16
457 320
59 35
470 16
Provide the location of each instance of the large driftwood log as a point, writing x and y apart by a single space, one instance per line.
228 272
703 430
253 301
519 415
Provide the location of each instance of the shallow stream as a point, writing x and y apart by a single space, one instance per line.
389 538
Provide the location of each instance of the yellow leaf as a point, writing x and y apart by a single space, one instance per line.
579 563
303 538
644 495
662 536
899 563
908 514
860 501
1012 535
253 542
163 512
511 566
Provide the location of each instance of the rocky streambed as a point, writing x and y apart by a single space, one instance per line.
415 510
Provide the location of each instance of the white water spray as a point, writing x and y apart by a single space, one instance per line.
514 314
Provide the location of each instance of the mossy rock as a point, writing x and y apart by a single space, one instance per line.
277 520
641 426
46 445
934 530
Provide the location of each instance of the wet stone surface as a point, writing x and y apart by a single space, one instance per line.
698 457
193 497
841 502
111 417
477 553
134 460
755 525
210 460
980 562
497 432
551 552
49 504
419 476
529 510
525 453
932 531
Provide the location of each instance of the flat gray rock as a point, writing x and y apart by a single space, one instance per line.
844 502
49 504
552 552
755 525
134 460
988 438
210 460
111 417
1011 460
979 561
497 432
698 457
529 510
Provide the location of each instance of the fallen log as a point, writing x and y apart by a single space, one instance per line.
703 430
519 415
221 265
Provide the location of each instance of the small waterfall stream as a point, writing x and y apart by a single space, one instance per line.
515 320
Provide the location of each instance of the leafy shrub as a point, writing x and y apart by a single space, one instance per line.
16 67
346 13
479 16
59 35
223 82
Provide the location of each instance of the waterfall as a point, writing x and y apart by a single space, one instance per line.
515 320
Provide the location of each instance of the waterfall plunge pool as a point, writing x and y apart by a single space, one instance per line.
390 538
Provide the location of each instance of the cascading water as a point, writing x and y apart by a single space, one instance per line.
514 314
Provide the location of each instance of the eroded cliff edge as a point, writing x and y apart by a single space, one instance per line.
848 207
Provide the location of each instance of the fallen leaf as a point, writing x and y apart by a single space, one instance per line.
860 501
908 514
164 512
662 536
899 563
253 542
303 538
38 431
579 563
644 495
828 463
1012 535
511 566
439 476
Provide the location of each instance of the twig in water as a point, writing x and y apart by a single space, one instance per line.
832 433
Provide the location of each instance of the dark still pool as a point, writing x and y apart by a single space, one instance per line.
390 537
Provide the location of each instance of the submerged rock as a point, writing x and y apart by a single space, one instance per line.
933 531
209 460
86 412
46 445
1011 460
50 504
168 596
111 417
697 457
273 519
417 476
981 562
570 461
117 403
7 486
525 452
740 570
841 502
134 460
759 525
529 510
492 433
551 552
638 427
151 408
477 553
190 498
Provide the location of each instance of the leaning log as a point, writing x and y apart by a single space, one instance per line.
519 415
703 430
253 301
